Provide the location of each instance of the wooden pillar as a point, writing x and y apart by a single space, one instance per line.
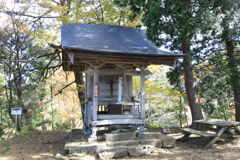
142 105
88 86
95 100
95 95
87 97
85 104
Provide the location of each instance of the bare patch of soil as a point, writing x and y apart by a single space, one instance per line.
46 144
34 145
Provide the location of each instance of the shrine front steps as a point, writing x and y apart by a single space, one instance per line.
92 148
117 145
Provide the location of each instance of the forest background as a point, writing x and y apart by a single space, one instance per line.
205 82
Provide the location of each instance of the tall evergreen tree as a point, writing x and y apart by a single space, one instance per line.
218 58
230 36
186 23
179 20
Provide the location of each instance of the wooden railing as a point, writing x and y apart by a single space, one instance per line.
102 110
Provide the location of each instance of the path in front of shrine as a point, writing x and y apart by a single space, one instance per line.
116 143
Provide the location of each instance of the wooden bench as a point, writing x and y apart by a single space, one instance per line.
197 132
221 126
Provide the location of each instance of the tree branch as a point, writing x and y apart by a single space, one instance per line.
27 15
60 91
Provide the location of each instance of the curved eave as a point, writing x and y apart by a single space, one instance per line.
83 58
77 51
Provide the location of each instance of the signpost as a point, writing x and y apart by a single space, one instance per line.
16 112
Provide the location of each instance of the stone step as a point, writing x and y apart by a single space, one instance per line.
129 140
84 148
92 148
102 132
120 136
167 141
155 142
123 151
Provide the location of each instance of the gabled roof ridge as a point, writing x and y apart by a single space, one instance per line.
108 38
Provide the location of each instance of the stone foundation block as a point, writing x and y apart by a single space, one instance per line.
123 143
120 136
87 149
141 150
167 141
154 142
113 153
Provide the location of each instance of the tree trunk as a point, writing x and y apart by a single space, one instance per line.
80 82
234 77
237 103
9 96
25 114
189 83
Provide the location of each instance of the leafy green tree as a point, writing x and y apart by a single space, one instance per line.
162 100
19 50
2 81
232 54
218 68
27 58
195 28
179 20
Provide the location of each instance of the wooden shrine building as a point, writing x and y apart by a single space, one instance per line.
110 56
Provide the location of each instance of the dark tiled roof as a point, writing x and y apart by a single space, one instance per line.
108 38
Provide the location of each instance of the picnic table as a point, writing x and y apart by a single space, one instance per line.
216 126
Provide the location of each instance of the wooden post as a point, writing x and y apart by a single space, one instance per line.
86 113
16 123
95 100
120 90
142 105
88 86
95 96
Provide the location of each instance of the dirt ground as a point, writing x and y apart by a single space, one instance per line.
44 145
35 145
